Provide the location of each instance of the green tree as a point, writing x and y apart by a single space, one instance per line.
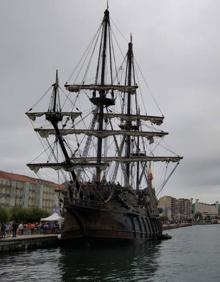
160 210
4 215
198 216
163 218
27 215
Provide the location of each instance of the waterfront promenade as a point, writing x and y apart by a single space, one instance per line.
26 242
35 241
175 225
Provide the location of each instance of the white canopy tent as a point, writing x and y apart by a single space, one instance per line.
53 217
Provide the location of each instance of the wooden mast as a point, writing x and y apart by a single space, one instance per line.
102 94
55 119
128 123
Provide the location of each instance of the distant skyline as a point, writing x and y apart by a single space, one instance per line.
177 44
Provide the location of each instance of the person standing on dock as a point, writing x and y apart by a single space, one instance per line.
3 230
21 229
14 229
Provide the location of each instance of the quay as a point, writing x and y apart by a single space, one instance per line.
31 242
28 242
175 225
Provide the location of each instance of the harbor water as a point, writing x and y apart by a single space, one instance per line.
191 255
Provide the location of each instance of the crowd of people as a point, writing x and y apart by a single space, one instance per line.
13 229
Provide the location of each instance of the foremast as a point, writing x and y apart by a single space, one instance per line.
54 117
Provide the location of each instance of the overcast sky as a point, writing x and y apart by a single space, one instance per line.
177 44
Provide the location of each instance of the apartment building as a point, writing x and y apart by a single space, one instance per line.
176 209
210 210
184 209
23 191
169 206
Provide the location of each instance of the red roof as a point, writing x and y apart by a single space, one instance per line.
24 178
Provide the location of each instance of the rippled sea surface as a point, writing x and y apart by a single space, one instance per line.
193 254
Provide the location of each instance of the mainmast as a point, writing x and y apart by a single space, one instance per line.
102 94
128 123
138 153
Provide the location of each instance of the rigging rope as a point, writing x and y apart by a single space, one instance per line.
42 144
110 53
38 101
67 98
45 151
122 35
90 59
56 157
141 94
169 150
113 53
84 53
150 91
165 182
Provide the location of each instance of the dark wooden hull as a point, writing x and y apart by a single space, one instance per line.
108 223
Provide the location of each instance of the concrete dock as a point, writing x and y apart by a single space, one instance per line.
175 225
28 242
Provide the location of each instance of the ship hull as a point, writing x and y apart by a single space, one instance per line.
101 224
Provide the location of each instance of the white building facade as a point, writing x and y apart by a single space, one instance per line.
210 210
27 192
176 209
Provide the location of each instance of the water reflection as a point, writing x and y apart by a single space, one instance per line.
125 263
34 266
192 255
131 263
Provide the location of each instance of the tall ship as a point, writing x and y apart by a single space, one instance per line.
102 143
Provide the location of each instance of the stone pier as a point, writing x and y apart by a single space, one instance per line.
29 242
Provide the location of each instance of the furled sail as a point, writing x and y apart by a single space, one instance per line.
91 162
132 159
158 120
66 166
96 87
34 115
44 133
